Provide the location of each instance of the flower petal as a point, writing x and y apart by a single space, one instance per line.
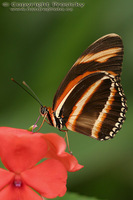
55 142
5 177
12 193
47 178
70 162
20 148
57 150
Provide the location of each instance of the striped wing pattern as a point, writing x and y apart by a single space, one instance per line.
106 54
100 110
90 99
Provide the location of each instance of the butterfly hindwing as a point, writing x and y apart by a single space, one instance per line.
97 110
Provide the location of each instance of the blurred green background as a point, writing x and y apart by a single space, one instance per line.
40 48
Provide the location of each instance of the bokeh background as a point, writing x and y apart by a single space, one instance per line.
40 47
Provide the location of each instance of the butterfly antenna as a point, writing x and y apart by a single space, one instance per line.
24 83
33 93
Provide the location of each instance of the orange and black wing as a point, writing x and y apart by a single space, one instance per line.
90 99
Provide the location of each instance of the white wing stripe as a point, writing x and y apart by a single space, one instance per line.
63 101
105 110
81 103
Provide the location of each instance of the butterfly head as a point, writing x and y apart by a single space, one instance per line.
43 111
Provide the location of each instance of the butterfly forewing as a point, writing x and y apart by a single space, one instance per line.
90 99
106 54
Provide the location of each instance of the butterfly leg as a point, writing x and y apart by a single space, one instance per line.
44 120
67 140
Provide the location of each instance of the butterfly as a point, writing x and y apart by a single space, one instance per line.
90 100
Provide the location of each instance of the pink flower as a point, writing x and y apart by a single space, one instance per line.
20 152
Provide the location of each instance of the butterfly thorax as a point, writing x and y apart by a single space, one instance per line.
53 120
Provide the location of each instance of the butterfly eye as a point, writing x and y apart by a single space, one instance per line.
43 110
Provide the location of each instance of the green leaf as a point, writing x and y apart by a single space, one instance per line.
74 196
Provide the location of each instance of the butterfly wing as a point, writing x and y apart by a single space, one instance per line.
105 54
90 99
97 110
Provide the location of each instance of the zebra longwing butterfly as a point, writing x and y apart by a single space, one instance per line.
90 100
